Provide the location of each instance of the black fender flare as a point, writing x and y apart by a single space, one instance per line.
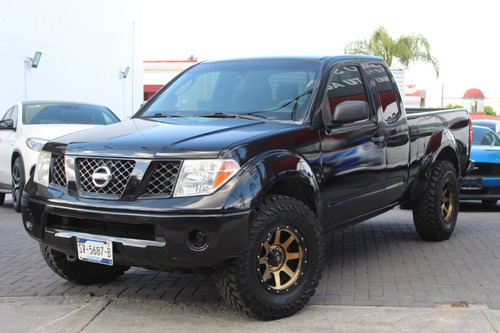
263 173
442 145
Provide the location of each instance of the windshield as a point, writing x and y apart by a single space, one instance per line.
68 114
271 89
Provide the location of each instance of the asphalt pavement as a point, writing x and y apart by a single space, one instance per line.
379 277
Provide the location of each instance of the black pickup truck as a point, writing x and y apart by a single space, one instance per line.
239 167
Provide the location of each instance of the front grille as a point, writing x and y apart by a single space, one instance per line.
104 228
59 171
120 171
163 179
486 169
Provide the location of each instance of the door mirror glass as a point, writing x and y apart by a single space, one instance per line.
7 124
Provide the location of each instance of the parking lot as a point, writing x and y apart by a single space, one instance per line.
381 262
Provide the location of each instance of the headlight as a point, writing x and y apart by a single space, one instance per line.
42 168
200 177
36 143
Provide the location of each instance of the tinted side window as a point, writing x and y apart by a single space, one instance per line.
490 140
385 97
346 84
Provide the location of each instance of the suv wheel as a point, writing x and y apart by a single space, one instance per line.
435 213
281 267
18 181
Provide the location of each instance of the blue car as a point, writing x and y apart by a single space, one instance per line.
483 183
491 124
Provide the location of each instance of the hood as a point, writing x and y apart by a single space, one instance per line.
52 131
167 138
485 154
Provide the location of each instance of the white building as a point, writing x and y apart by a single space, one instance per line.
159 72
473 100
86 47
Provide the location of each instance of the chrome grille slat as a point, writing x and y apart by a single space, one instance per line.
120 169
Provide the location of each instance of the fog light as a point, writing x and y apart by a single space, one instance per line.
197 240
28 222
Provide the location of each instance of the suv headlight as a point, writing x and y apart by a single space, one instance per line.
201 177
42 168
36 143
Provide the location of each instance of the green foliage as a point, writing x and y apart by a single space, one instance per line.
453 106
489 110
406 49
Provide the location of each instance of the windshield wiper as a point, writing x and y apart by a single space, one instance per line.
249 115
162 115
217 115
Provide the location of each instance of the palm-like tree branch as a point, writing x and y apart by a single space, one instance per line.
406 49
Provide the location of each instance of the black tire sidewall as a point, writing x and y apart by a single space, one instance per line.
16 195
248 290
448 176
80 272
428 217
271 298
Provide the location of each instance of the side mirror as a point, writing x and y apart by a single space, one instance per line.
7 124
350 111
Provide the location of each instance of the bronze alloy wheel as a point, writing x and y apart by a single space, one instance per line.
281 260
280 268
435 212
447 207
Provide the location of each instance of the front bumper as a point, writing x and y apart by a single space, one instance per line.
480 188
160 241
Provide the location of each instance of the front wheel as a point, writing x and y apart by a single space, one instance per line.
281 267
78 271
18 180
435 213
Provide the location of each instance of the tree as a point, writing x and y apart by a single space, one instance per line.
489 110
406 49
453 106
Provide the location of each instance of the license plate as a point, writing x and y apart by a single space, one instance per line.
96 251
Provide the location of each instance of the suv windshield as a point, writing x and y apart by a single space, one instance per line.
271 89
40 113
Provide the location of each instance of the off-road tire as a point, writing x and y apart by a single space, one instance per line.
435 213
78 271
281 267
18 181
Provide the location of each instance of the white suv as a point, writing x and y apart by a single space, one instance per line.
27 126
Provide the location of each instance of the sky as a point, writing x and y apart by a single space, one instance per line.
463 35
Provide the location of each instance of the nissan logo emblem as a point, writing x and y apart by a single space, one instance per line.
102 176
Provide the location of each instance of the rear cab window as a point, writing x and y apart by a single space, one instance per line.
384 93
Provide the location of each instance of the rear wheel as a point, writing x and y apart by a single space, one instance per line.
279 271
435 213
78 271
18 181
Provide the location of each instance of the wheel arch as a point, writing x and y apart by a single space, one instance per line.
447 150
278 172
15 154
